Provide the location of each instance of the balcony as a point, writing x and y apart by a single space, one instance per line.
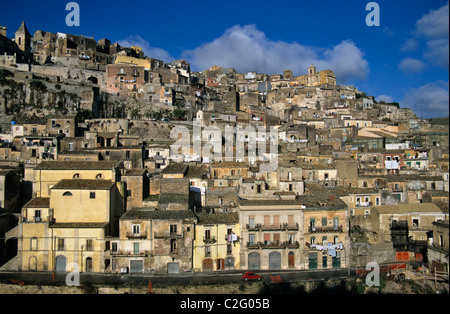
139 235
324 245
364 204
167 235
130 253
325 229
278 227
273 245
229 239
397 189
209 240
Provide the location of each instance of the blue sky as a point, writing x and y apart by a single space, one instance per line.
405 59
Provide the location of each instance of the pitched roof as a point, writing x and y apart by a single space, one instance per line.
38 202
148 213
78 165
407 208
83 184
218 218
23 29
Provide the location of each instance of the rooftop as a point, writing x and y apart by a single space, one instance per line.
38 202
148 213
78 165
83 184
407 208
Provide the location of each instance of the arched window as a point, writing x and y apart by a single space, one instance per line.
76 176
99 176
67 193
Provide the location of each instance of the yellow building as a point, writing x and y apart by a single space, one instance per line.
145 63
48 173
63 233
217 242
326 237
314 78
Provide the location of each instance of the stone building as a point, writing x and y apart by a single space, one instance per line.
54 239
217 242
272 234
154 240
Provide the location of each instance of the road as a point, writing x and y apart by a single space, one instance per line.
186 278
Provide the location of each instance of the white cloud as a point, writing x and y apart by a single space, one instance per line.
434 28
246 48
430 99
410 65
434 24
409 45
149 51
437 52
385 98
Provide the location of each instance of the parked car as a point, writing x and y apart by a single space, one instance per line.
165 120
251 276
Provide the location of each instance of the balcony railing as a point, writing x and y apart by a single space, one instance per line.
130 253
209 240
273 245
260 227
171 235
230 239
325 229
138 235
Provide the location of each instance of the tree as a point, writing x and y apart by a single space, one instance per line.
179 113
83 115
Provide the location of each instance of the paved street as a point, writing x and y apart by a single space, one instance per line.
188 278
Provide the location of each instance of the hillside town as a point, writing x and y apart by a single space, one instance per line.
123 164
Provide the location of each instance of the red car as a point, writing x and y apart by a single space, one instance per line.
251 276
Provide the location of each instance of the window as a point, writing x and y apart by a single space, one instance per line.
251 239
207 251
60 244
136 229
312 224
251 222
173 229
89 245
415 223
136 247
34 244
99 176
324 221
37 215
91 195
221 201
114 246
67 193
76 176
207 234
336 239
266 238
